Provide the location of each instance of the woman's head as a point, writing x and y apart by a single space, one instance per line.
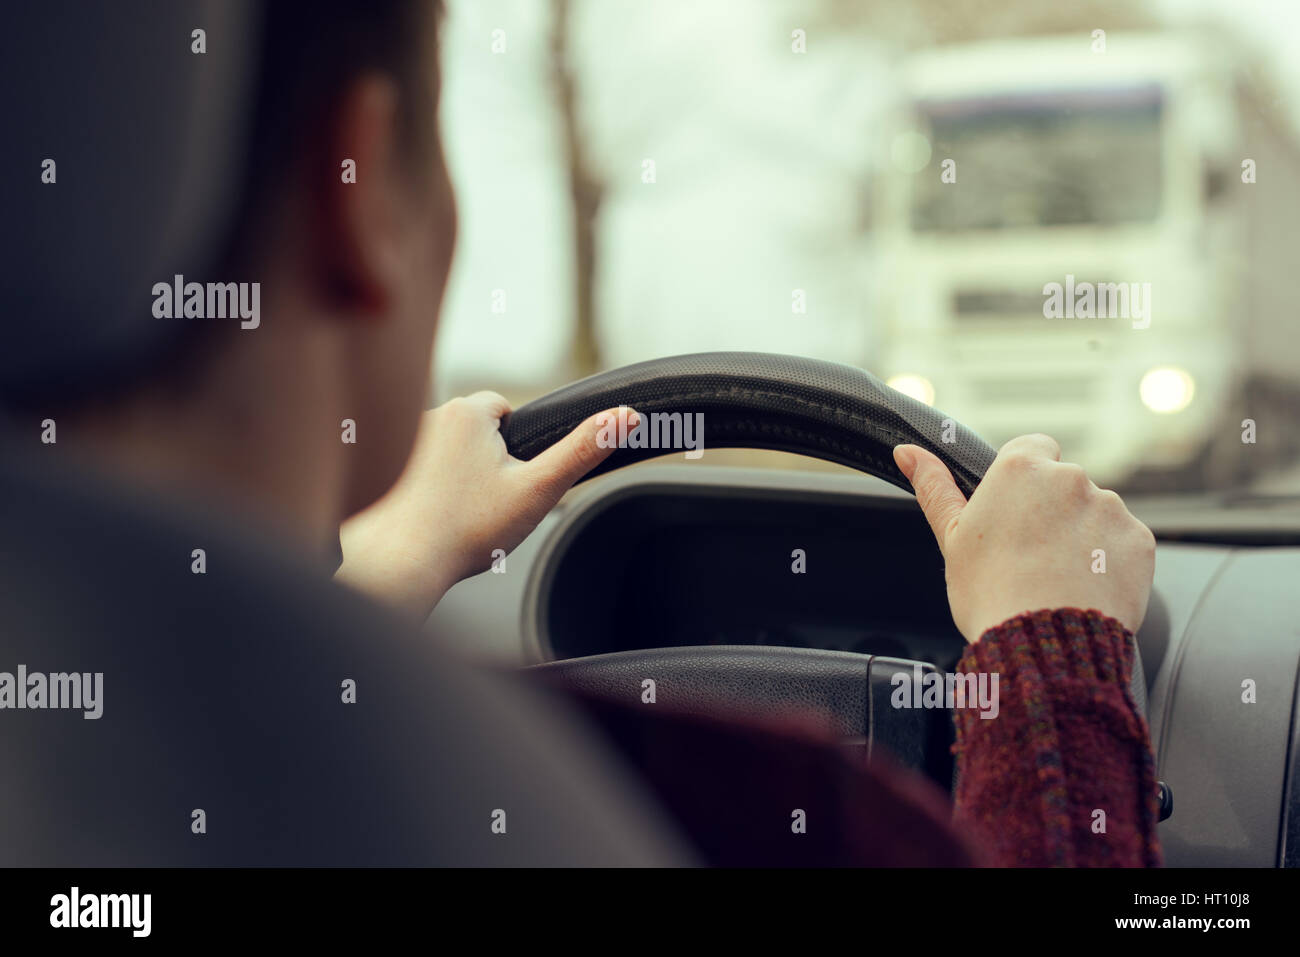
334 199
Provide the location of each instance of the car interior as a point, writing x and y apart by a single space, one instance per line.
683 571
734 590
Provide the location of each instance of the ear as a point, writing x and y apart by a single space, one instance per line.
358 234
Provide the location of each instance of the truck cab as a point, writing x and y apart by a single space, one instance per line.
1020 168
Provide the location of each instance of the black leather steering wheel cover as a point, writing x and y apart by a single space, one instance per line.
763 401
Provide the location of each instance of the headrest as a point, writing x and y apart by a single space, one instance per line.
124 161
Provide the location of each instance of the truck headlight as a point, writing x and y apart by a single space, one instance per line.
916 386
1167 389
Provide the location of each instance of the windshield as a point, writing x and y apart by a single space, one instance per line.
1071 219
1045 159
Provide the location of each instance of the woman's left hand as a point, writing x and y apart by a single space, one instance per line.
460 499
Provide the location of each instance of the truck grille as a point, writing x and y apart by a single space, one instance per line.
1003 304
1032 391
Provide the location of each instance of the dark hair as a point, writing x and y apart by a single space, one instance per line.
310 53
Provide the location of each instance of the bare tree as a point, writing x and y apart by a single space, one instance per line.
585 190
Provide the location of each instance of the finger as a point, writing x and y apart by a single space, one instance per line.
937 494
556 469
1036 445
492 403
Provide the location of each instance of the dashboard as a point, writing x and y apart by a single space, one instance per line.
658 556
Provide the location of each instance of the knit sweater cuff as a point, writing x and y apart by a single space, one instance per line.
1055 644
1068 739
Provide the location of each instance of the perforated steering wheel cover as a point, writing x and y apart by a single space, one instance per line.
761 400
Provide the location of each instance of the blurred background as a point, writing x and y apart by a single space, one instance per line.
891 185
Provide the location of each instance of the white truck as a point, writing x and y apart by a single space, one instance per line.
1097 244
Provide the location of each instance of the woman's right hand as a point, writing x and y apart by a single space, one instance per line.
1036 533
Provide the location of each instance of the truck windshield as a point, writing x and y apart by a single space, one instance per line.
1047 159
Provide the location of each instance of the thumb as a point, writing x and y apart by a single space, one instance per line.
555 470
937 494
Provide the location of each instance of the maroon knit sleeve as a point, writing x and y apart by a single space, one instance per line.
732 783
1064 774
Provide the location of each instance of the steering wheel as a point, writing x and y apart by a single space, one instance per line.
791 404
758 400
